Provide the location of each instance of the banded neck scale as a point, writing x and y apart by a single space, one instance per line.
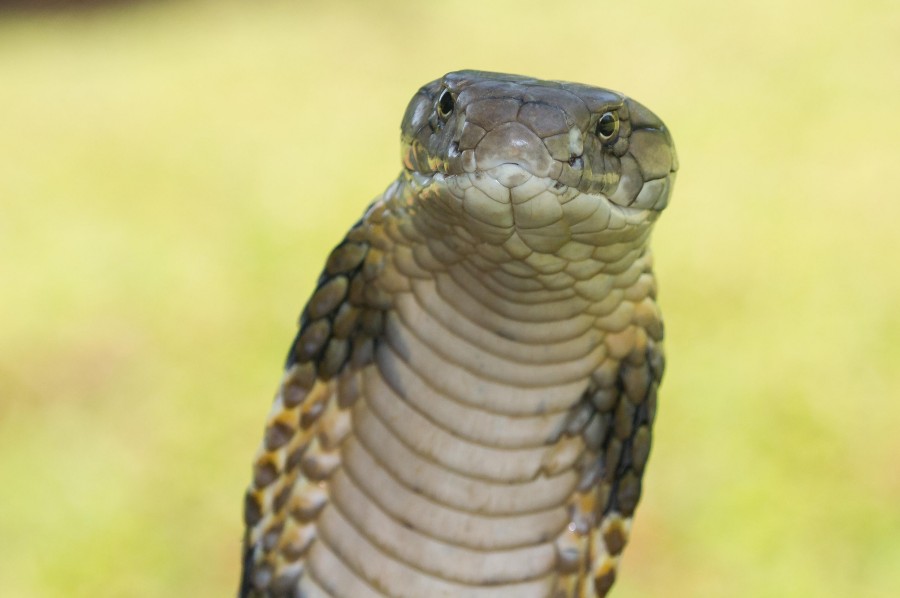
467 407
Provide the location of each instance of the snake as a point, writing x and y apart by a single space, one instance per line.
467 406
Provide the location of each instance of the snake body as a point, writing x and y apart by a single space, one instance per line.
467 407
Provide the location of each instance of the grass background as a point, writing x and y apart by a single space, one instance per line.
172 175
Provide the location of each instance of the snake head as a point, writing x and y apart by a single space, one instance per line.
547 160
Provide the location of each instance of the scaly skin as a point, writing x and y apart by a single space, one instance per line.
467 408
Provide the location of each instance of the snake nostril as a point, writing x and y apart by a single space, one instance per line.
576 162
454 149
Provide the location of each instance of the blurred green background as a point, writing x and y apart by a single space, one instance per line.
172 175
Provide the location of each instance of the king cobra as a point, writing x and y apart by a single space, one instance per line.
467 407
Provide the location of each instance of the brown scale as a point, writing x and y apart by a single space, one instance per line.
614 419
310 419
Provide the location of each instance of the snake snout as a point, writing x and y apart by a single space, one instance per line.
513 143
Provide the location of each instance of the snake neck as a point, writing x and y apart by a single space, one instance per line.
501 281
502 311
459 477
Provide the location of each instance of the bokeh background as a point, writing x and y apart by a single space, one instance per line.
172 175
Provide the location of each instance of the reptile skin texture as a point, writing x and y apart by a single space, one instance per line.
467 408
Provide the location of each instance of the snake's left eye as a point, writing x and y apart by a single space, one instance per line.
445 104
607 126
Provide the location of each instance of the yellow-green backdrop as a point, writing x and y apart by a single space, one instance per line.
172 175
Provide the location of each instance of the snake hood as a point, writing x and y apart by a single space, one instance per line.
547 161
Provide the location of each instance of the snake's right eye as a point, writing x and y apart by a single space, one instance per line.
445 104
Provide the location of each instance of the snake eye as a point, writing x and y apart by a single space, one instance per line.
607 126
445 104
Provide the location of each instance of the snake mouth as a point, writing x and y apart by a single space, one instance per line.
511 175
508 201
